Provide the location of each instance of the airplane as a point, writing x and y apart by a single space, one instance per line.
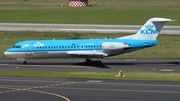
89 48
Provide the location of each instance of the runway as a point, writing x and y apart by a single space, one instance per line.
165 65
49 89
82 28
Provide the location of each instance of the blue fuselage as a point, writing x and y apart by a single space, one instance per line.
59 48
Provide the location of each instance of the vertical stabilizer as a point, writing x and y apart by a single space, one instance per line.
151 29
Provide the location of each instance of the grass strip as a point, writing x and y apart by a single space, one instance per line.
129 75
123 15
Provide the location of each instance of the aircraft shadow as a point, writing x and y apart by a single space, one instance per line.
97 64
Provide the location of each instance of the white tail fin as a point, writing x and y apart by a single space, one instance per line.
151 29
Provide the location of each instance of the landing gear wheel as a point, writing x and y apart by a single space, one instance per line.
25 62
89 62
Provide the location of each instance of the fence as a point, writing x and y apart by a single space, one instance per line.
97 2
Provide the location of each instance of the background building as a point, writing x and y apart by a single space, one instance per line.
78 3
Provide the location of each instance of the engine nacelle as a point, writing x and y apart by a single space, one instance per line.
112 46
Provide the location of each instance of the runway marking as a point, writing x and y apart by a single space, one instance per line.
121 90
130 59
7 91
46 86
98 30
158 64
30 88
167 70
35 87
57 84
38 91
49 93
51 85
69 82
18 89
47 66
62 84
13 90
94 81
41 86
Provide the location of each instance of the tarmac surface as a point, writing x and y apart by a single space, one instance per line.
82 28
43 89
98 65
50 89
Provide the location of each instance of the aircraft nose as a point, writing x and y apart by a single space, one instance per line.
7 53
11 53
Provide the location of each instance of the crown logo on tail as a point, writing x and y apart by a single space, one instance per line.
149 27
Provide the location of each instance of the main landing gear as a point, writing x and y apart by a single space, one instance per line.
25 62
22 59
89 62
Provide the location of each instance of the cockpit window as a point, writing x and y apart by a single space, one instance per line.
16 46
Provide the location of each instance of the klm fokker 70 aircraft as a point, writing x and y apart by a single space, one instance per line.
89 48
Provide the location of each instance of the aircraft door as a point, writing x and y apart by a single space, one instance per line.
28 49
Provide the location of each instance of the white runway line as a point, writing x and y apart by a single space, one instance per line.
167 70
99 30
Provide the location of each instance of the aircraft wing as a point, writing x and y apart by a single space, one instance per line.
92 53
